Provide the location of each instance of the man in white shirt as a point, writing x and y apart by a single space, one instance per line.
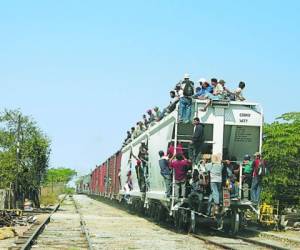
238 92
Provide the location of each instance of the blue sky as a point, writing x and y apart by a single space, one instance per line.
87 70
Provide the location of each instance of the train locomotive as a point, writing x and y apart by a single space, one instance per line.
231 128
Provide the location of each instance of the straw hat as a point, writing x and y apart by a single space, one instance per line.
216 158
206 156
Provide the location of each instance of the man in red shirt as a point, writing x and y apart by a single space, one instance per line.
180 166
256 178
171 149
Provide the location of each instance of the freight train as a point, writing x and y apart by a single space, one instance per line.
231 129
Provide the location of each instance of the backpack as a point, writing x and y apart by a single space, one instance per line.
262 169
188 89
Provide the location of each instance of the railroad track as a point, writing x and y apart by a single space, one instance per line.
236 242
64 228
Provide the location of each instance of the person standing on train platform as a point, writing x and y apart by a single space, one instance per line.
165 171
197 140
215 168
259 170
180 166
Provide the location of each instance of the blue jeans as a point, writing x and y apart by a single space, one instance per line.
215 194
168 184
255 189
185 109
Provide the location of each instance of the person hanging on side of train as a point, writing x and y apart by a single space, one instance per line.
171 149
197 140
234 167
196 196
215 168
185 102
238 93
165 171
180 166
143 156
259 171
247 169
139 173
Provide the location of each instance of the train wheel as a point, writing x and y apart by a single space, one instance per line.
192 222
231 222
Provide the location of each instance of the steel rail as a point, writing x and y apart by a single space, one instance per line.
255 242
243 239
260 243
40 228
83 226
218 244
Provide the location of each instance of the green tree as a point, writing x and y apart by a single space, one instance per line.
281 148
59 175
24 155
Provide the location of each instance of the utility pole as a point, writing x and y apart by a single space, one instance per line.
18 156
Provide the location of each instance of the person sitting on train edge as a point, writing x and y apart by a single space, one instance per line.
180 166
137 130
206 88
179 149
157 113
185 102
217 94
172 105
151 116
196 195
197 140
215 170
226 92
165 171
238 93
145 121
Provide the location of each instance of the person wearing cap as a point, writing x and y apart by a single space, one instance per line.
215 168
165 171
185 101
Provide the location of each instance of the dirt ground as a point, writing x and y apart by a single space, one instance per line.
111 228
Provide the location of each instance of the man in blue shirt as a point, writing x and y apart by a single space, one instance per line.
165 172
206 88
